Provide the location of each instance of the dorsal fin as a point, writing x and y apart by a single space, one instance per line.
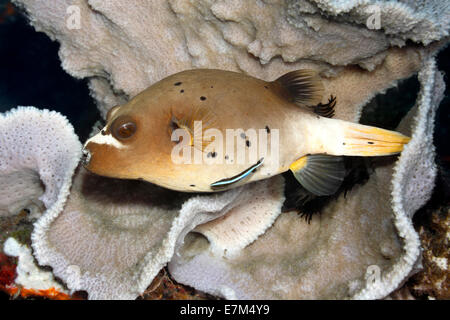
303 87
327 109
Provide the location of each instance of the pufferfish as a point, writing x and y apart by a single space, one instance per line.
202 106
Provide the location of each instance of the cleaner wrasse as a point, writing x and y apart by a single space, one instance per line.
212 115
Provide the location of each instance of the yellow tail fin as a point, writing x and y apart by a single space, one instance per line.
361 140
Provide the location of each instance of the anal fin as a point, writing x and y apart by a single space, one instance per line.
320 174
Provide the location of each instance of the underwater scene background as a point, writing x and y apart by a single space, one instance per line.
31 75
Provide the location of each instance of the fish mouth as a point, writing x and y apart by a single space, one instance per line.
86 157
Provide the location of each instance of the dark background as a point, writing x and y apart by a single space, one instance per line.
31 74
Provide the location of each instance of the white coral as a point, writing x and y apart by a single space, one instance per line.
29 275
36 146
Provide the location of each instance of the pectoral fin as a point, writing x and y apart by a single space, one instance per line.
322 175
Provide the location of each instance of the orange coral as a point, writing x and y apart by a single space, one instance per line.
51 293
7 276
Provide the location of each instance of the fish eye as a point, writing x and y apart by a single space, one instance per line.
123 128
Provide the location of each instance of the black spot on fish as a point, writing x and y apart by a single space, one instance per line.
266 87
343 143
247 143
209 154
214 154
243 136
212 87
177 83
370 142
267 129
181 91
202 98
192 185
226 157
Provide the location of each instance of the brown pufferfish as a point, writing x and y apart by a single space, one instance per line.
140 137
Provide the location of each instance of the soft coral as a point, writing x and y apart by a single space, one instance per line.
7 270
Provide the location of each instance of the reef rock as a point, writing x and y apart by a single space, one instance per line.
123 47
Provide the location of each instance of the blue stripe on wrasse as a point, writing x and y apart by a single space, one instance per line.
228 181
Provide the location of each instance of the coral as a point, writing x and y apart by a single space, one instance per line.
16 274
164 288
113 236
119 46
38 154
16 279
245 222
434 281
17 226
38 149
419 21
28 274
413 178
51 293
361 246
21 189
7 271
